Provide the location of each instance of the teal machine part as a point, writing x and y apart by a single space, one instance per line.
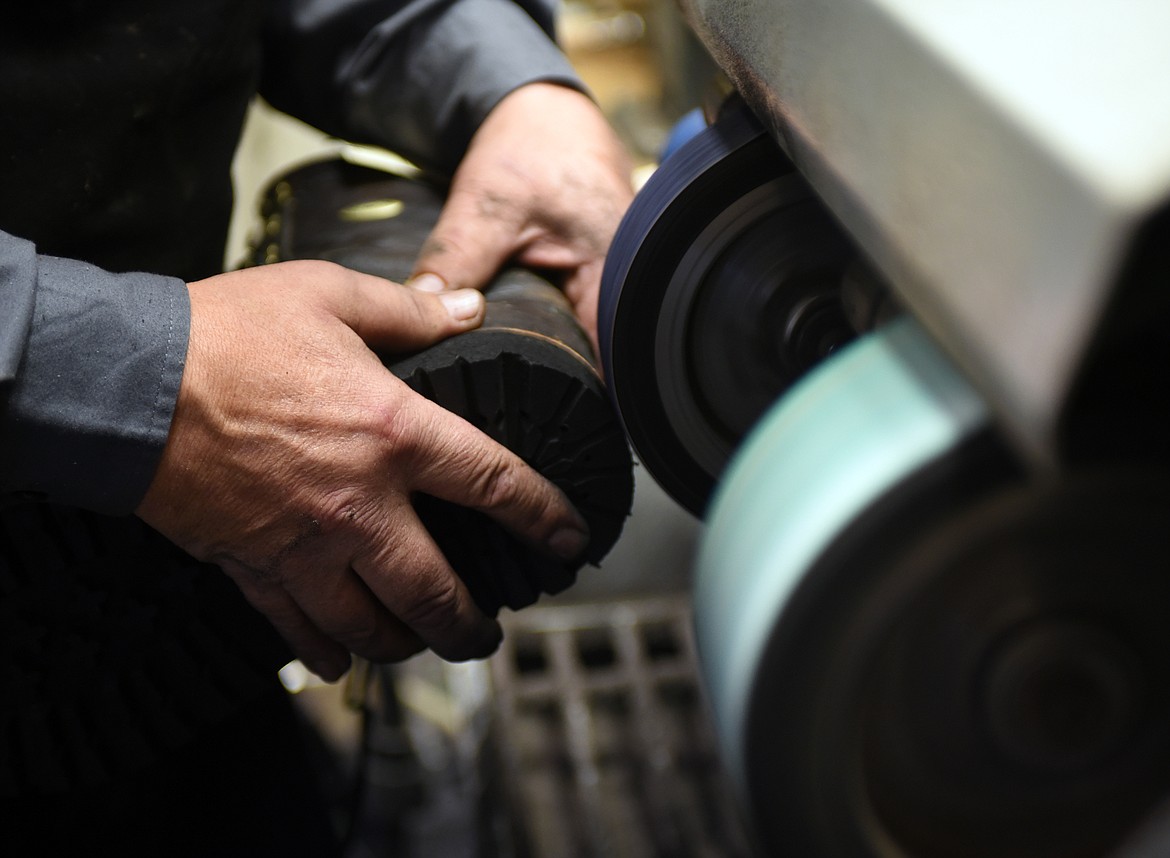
878 412
912 649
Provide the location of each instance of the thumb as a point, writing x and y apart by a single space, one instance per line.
470 242
401 319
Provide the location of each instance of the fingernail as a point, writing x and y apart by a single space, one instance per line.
462 304
568 543
427 283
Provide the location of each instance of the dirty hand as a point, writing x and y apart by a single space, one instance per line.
544 183
294 454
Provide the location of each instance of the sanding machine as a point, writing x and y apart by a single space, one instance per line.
894 324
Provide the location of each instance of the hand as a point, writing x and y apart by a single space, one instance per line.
294 453
544 183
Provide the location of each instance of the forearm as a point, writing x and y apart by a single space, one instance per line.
86 414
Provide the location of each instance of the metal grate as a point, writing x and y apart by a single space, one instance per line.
603 739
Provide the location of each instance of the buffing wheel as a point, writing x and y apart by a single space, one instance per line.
721 289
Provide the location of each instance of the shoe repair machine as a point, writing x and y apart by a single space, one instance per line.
895 325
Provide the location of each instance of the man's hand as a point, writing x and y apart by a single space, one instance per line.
544 183
294 454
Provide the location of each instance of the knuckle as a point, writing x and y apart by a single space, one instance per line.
328 281
419 436
498 483
262 572
361 633
424 312
344 510
318 268
436 610
492 204
255 582
406 428
507 484
447 241
436 244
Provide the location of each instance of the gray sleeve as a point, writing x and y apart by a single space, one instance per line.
88 386
417 76
17 297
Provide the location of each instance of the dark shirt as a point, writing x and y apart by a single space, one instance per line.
120 122
121 118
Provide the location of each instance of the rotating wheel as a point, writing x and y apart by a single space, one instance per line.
911 650
722 287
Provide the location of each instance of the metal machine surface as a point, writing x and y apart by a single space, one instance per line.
1002 164
931 596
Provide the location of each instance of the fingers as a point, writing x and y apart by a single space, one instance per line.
543 184
390 316
455 462
583 290
341 606
324 613
477 232
320 653
408 573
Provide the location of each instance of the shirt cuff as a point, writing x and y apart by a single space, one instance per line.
426 91
86 419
